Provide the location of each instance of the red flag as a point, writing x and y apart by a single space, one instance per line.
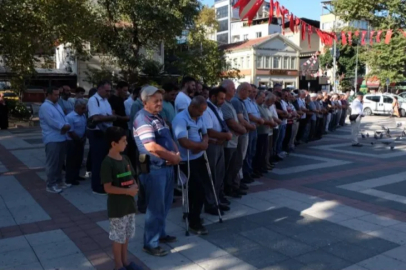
364 33
403 32
371 40
303 32
283 10
241 4
292 23
388 36
343 38
270 12
253 11
356 33
309 34
378 36
278 9
297 23
350 37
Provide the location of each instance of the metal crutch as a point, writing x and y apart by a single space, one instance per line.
211 181
185 199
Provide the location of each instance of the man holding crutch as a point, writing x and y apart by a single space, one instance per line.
187 126
154 140
219 134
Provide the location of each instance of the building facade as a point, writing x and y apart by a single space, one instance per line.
265 61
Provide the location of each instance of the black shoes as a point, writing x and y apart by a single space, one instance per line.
247 180
357 145
198 229
167 239
81 178
243 186
224 207
225 201
158 251
233 194
213 211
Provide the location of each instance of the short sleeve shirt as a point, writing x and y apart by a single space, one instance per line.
240 108
77 123
168 111
117 105
182 102
252 108
180 130
119 173
152 128
229 113
263 129
99 106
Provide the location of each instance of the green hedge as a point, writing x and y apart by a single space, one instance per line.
17 109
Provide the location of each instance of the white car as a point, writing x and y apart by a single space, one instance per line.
382 104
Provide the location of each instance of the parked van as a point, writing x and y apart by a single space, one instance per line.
382 104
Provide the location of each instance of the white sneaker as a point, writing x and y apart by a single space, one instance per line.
65 185
54 189
88 174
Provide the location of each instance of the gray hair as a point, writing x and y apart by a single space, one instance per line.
260 92
242 87
269 96
198 101
80 102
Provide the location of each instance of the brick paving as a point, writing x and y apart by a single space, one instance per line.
327 206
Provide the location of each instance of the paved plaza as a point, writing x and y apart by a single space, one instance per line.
327 206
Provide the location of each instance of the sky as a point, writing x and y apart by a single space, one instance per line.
310 9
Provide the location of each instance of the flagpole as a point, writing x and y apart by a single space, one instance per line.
334 56
356 70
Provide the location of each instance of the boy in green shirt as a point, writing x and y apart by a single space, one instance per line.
117 176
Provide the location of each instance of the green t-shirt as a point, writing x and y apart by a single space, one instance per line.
121 174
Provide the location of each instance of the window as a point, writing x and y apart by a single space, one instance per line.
258 34
387 99
286 62
235 63
245 37
222 38
373 98
242 62
222 12
248 62
223 25
267 61
293 63
259 62
276 61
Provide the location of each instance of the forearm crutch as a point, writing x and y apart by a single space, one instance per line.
212 183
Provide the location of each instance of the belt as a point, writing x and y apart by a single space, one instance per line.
215 142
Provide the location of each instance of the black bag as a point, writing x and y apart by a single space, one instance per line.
353 117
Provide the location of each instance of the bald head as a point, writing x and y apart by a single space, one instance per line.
243 90
197 107
198 101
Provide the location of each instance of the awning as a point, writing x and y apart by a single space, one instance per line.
373 82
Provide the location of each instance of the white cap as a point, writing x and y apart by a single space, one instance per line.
148 91
312 95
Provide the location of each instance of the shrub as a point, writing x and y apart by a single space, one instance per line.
17 109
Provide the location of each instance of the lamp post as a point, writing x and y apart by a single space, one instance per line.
356 69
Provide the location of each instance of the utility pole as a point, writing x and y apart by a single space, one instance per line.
334 56
356 70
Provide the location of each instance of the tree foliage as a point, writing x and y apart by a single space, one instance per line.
385 60
201 57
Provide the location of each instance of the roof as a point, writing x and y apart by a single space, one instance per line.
313 23
256 42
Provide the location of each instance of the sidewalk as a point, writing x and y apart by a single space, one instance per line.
327 206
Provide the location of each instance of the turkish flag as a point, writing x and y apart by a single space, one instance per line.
241 4
251 10
292 23
278 9
303 31
297 23
309 34
388 36
270 12
356 33
343 38
350 37
371 40
378 36
364 33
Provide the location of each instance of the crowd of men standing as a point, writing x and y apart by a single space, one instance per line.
244 131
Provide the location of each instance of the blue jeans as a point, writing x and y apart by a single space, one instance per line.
158 185
281 137
252 147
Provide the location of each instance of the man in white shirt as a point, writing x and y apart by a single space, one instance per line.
100 118
355 118
185 95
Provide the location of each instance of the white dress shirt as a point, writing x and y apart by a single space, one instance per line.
356 107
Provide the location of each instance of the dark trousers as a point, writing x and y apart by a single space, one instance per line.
215 155
302 129
260 162
252 145
312 132
89 160
230 157
99 151
274 140
286 140
198 177
343 116
74 157
131 149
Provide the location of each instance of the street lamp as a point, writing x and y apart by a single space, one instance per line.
324 6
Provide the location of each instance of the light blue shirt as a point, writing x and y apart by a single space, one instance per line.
168 111
77 123
252 108
66 105
52 119
127 105
210 119
182 102
135 108
179 127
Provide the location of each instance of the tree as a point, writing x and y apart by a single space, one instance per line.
32 28
201 57
133 26
385 60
